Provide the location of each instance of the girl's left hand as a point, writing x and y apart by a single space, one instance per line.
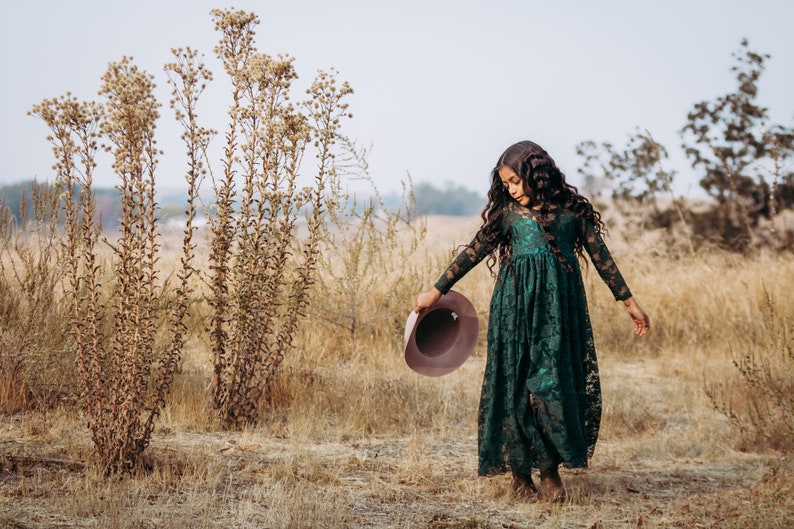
641 321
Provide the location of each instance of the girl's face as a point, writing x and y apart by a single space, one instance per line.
514 185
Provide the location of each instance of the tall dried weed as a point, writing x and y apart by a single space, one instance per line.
35 364
126 359
261 274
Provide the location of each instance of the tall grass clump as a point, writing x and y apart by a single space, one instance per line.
368 271
260 274
126 354
759 399
36 370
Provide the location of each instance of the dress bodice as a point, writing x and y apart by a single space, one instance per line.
528 237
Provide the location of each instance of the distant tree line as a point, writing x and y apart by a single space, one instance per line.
15 198
449 200
430 200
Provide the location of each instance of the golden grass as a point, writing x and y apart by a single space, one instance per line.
352 438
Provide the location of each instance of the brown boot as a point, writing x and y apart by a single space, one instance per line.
523 485
551 484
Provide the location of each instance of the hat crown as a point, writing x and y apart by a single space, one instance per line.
437 332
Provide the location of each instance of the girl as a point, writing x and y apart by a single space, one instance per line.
541 398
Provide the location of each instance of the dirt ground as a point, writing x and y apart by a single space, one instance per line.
251 480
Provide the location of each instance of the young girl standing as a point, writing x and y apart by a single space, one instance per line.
541 397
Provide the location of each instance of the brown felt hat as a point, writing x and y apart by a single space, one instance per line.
440 339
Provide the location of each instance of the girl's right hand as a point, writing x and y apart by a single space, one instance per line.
427 299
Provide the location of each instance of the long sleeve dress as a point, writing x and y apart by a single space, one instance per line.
541 395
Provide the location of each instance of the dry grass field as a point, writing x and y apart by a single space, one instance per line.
354 439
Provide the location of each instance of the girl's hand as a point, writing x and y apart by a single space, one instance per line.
427 299
641 321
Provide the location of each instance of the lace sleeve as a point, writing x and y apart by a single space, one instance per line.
473 253
602 260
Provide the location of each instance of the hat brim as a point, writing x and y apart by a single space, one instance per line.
440 339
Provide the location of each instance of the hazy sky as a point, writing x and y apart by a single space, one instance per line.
442 87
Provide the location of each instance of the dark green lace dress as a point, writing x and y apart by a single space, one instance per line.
541 395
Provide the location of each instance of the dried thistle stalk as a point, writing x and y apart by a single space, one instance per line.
260 282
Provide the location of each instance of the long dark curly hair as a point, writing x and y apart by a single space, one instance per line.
548 192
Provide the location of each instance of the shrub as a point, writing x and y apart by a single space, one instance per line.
367 269
760 400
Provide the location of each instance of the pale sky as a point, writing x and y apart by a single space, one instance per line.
442 87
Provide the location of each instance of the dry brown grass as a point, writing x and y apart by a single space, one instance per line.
355 439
